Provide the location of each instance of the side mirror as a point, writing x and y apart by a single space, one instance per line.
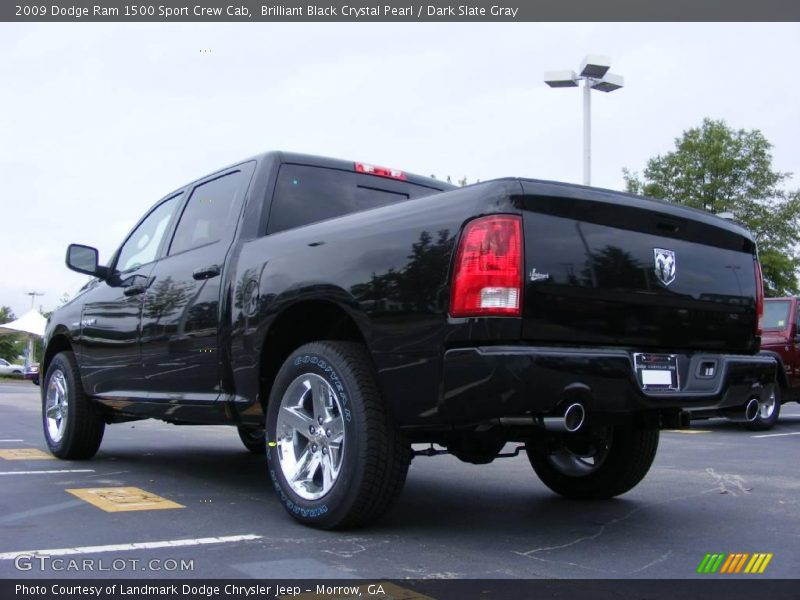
83 259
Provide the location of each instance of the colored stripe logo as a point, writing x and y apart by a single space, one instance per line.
735 563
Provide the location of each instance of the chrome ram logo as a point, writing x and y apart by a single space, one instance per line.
664 265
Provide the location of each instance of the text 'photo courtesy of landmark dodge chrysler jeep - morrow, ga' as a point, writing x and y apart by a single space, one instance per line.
337 312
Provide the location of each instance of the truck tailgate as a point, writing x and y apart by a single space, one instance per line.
622 271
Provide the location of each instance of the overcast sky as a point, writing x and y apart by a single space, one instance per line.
99 121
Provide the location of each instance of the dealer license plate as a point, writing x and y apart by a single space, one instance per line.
657 371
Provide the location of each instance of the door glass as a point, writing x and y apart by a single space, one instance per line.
797 321
776 314
142 245
207 214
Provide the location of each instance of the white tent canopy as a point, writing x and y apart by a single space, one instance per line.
31 322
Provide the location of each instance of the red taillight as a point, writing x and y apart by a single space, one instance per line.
487 279
379 171
759 297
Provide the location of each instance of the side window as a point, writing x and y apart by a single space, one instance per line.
208 213
142 245
306 195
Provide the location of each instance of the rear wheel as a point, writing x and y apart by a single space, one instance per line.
769 410
600 464
335 457
254 440
73 425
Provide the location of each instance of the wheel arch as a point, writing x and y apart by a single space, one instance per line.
781 378
59 342
300 323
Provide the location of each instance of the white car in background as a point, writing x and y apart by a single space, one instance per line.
6 368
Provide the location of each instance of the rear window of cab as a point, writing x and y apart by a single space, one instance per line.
306 194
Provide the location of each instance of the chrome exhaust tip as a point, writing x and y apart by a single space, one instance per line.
746 414
751 410
569 422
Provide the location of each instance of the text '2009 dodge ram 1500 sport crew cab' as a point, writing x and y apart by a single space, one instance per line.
337 312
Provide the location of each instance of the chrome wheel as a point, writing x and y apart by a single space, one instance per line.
57 406
579 458
766 408
310 436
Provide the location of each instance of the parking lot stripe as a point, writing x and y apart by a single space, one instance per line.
689 431
776 434
120 499
135 546
25 454
8 441
46 472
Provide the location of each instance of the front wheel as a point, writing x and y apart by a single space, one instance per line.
73 426
769 410
334 455
590 466
254 440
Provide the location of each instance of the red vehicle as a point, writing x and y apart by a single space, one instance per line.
781 338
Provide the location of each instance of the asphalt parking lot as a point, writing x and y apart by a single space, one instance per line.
713 489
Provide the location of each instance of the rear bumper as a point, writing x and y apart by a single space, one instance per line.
521 381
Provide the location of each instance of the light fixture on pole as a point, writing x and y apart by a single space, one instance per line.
595 76
33 296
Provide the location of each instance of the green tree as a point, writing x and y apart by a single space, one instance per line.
719 169
9 344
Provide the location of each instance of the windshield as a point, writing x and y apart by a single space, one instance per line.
776 314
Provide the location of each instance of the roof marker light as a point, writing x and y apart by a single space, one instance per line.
379 171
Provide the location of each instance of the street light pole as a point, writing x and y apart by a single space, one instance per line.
587 133
595 76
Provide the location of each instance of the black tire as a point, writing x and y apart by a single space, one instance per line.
374 457
769 414
83 425
254 440
627 453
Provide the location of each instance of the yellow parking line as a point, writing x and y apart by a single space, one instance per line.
120 499
687 431
25 454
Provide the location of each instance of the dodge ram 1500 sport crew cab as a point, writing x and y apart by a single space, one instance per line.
337 312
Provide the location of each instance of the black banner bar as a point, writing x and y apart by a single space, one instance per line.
398 11
732 588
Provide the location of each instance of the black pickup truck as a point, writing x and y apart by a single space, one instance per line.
339 312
